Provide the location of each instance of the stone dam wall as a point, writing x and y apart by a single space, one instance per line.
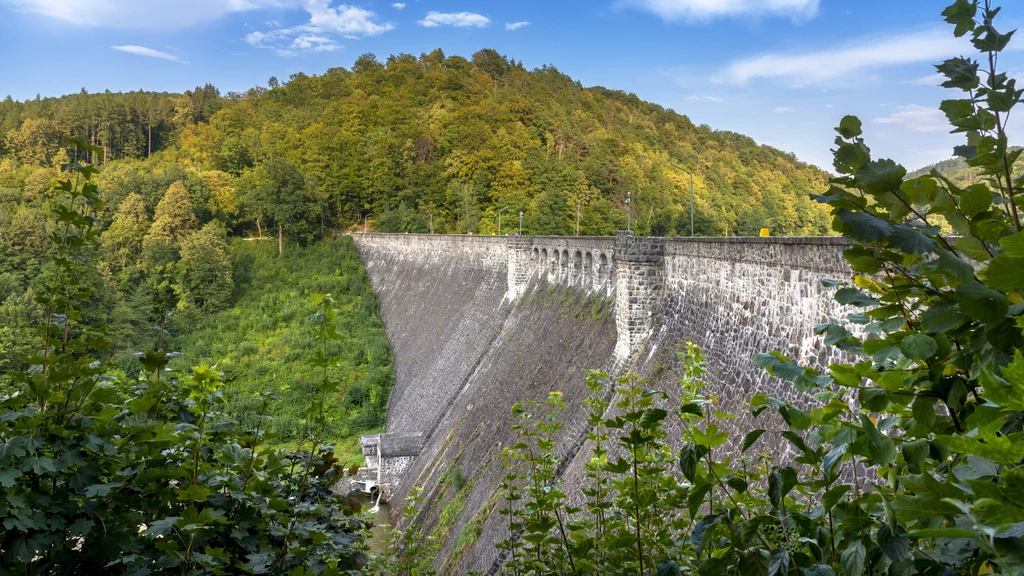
478 323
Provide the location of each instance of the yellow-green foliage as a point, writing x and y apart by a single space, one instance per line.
264 341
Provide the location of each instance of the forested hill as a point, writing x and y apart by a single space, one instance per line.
411 141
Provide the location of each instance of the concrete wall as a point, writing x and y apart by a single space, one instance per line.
479 323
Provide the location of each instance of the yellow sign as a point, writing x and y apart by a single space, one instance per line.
764 232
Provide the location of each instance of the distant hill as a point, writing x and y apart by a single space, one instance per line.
414 140
957 170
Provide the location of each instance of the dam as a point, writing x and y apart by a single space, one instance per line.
479 323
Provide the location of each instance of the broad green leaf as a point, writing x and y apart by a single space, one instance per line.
852 559
881 176
652 417
942 317
689 457
961 73
975 200
961 14
833 496
972 249
853 297
940 533
833 457
982 303
924 412
915 452
873 399
895 545
910 240
778 564
1014 245
864 227
1006 391
750 438
919 347
999 449
849 127
669 568
1005 273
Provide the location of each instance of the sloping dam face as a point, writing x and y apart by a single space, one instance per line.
478 324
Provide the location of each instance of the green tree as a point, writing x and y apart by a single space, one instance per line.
204 270
122 242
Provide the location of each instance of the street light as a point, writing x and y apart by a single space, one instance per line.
578 201
691 194
520 222
629 212
499 220
368 214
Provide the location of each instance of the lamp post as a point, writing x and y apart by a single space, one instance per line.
578 201
499 220
691 194
629 213
520 222
368 214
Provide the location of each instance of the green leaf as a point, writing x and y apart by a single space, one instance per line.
961 14
1005 273
981 302
895 545
961 73
689 457
853 297
852 559
669 568
864 227
849 127
778 564
942 317
161 527
975 200
873 399
999 449
924 412
910 240
881 176
972 249
101 489
915 452
1013 244
652 417
1006 391
833 496
818 570
750 438
775 488
918 347
940 533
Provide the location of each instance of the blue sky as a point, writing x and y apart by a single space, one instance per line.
781 71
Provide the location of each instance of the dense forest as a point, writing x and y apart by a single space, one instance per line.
410 143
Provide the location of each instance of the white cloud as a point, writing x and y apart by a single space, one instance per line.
932 80
457 19
513 26
822 66
148 52
715 99
398 5
705 10
147 14
318 35
917 118
783 110
346 20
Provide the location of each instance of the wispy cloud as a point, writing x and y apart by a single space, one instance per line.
148 52
820 66
700 98
398 5
917 118
144 14
707 10
513 26
931 80
456 19
783 110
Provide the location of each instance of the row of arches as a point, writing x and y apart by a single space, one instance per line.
574 267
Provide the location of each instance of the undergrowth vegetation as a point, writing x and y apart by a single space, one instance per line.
262 342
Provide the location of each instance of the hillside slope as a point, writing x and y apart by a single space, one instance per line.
440 140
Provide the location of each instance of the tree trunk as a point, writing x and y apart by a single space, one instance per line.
259 229
280 239
149 148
